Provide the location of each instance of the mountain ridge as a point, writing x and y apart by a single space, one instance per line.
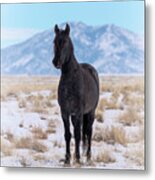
109 48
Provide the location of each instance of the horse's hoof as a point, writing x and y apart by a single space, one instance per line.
88 156
77 163
65 161
90 162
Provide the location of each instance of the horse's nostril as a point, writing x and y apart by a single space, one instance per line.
56 63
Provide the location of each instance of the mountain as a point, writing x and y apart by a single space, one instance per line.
109 48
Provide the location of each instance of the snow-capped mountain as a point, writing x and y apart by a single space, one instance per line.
109 48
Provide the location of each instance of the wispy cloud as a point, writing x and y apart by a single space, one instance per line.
11 36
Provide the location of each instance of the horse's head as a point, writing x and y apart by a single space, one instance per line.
62 46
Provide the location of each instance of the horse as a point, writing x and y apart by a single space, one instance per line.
78 94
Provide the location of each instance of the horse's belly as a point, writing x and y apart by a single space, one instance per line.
91 98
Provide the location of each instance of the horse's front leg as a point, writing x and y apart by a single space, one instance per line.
67 136
77 122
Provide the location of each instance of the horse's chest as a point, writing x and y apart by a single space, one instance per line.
69 95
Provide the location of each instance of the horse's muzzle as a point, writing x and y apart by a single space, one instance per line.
56 63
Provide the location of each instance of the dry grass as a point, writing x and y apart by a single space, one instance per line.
29 143
9 136
112 103
57 143
53 95
103 103
13 85
39 157
129 117
128 84
6 148
134 100
105 156
37 105
136 155
110 135
137 136
99 115
38 133
23 161
22 103
51 129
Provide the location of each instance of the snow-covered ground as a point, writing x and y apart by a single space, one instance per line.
32 131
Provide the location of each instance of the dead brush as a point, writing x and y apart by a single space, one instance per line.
99 116
38 133
38 106
53 95
136 155
103 103
23 161
137 136
129 117
6 148
114 102
105 156
39 157
9 136
119 135
29 143
22 103
51 129
110 135
132 100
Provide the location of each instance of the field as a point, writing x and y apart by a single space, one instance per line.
32 131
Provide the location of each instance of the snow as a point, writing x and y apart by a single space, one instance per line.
20 122
23 61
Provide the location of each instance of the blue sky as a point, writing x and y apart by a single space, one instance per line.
20 21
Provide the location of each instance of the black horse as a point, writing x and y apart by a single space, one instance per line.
78 93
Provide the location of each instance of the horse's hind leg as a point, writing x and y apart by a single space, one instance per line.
90 117
84 135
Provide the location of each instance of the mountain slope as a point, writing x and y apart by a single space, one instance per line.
109 48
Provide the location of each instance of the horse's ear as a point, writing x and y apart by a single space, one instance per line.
67 29
56 29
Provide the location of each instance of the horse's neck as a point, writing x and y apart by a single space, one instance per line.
71 65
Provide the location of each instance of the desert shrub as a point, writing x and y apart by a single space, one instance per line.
129 117
22 103
38 133
51 127
110 135
136 136
39 147
39 157
105 156
136 154
9 136
29 143
53 95
6 148
99 115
